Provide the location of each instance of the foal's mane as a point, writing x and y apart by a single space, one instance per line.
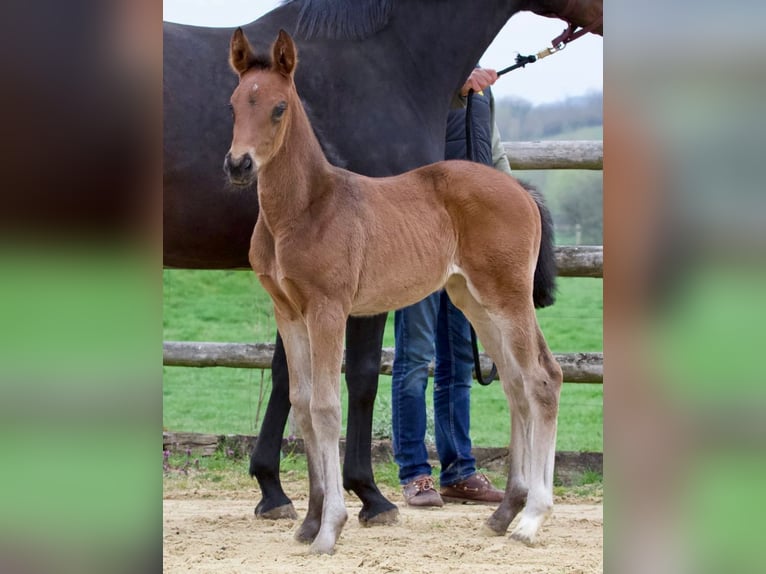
341 19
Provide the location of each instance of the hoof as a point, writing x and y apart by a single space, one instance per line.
319 549
278 513
523 537
494 526
529 525
487 530
307 532
303 537
382 518
526 531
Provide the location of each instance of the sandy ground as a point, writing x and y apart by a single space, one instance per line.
216 532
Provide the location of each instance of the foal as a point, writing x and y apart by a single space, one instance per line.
330 243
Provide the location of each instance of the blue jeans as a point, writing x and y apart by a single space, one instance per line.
433 324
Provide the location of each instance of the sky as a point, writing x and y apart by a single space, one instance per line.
575 71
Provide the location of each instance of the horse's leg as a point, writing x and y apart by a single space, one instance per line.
542 387
491 338
532 381
264 460
364 339
298 354
516 488
326 322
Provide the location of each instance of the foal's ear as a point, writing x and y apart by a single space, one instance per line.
240 52
284 54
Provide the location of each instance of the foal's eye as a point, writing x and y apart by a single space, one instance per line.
231 109
279 109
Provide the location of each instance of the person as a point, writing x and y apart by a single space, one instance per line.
434 326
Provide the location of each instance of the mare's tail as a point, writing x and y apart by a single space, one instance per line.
544 291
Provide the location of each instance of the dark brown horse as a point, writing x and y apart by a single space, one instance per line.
330 244
377 77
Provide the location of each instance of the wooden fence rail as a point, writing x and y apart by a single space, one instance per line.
555 154
577 367
580 260
572 261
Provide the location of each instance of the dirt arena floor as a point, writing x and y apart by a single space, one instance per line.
214 530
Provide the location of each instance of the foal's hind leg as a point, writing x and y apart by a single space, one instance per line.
542 381
491 338
364 338
532 383
531 380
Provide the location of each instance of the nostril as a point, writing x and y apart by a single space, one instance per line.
247 163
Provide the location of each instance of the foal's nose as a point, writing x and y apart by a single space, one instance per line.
239 169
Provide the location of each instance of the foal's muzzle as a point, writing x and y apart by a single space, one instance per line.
240 170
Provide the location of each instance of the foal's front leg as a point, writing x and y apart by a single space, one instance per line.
326 322
296 342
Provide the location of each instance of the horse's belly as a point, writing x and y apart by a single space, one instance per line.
394 289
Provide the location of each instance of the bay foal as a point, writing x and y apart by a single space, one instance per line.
330 243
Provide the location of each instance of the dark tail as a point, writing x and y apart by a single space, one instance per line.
544 292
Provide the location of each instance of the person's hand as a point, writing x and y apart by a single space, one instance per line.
479 79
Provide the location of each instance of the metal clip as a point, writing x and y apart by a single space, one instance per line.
550 50
545 53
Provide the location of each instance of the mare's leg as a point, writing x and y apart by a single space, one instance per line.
298 353
364 339
326 323
264 460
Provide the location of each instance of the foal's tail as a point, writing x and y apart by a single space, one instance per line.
544 291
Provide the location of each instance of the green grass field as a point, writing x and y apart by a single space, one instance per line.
231 306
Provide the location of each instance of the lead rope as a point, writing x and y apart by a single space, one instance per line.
557 44
560 42
474 341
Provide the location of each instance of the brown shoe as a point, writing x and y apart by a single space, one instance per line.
421 492
476 489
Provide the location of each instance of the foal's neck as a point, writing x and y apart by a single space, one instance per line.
297 171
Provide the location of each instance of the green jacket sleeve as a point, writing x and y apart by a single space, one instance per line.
499 159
